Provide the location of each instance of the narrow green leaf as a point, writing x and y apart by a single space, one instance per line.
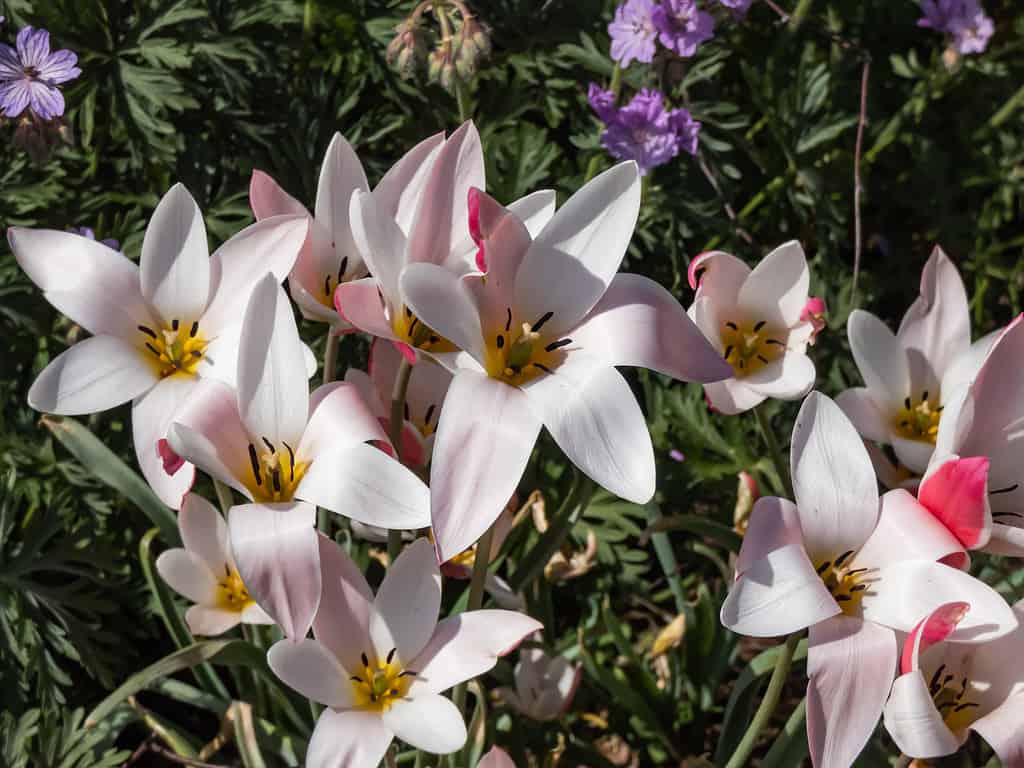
245 736
790 747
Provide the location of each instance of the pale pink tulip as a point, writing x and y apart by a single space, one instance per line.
854 570
948 689
757 320
496 757
419 220
159 328
540 334
544 685
205 572
379 664
288 451
911 376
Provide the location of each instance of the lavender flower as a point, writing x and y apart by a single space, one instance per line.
682 27
644 130
739 7
30 74
89 233
633 32
964 20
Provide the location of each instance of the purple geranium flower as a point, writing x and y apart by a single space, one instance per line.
633 32
682 27
89 233
644 130
30 74
964 20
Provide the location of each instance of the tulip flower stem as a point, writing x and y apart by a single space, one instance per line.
481 560
395 425
224 496
331 357
768 703
774 451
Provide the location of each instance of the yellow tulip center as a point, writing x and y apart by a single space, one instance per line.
381 684
408 328
519 355
750 346
951 699
919 422
847 585
175 350
331 282
231 592
275 473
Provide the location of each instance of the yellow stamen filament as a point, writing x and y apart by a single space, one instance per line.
175 350
748 347
275 472
381 683
232 594
408 328
331 282
847 585
919 422
950 697
521 355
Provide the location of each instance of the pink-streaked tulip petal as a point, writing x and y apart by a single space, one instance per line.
338 415
718 276
788 378
379 240
956 492
1001 728
774 523
94 375
271 245
485 435
399 191
371 396
901 593
936 330
340 176
778 594
428 722
639 323
188 575
309 668
905 531
914 723
851 665
881 359
278 556
152 414
592 414
359 302
932 629
408 602
776 289
94 285
731 397
833 480
961 371
865 415
205 621
273 393
253 614
468 645
343 622
175 264
914 454
267 198
348 739
204 532
535 210
440 298
428 383
364 483
496 757
574 258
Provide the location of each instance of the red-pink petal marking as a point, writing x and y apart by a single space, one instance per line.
932 629
172 461
956 494
693 273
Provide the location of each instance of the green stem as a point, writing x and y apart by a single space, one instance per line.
616 86
251 635
463 101
481 561
768 703
774 451
398 394
331 357
798 15
224 496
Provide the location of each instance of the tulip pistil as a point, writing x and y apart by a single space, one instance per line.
232 594
275 472
175 350
919 421
750 346
380 684
517 357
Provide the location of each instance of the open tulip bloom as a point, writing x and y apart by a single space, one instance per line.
854 570
496 757
759 321
288 451
946 690
159 328
544 685
910 376
540 334
379 664
422 221
205 572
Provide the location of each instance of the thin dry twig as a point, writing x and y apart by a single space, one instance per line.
176 758
857 186
726 205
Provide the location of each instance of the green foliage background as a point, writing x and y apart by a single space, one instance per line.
204 92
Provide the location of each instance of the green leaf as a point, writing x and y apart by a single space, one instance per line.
245 736
790 747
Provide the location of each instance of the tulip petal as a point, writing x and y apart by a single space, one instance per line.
1001 729
152 415
574 258
399 192
188 575
881 359
774 523
467 645
253 614
349 739
273 393
278 556
933 628
360 303
731 397
428 383
914 723
778 594
204 532
956 492
267 198
906 530
309 668
204 621
851 665
342 624
592 414
485 435
95 286
865 415
776 289
94 375
439 298
496 757
718 276
833 480
408 602
788 378
338 416
175 265
380 242
1007 540
535 210
639 323
428 722
341 175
